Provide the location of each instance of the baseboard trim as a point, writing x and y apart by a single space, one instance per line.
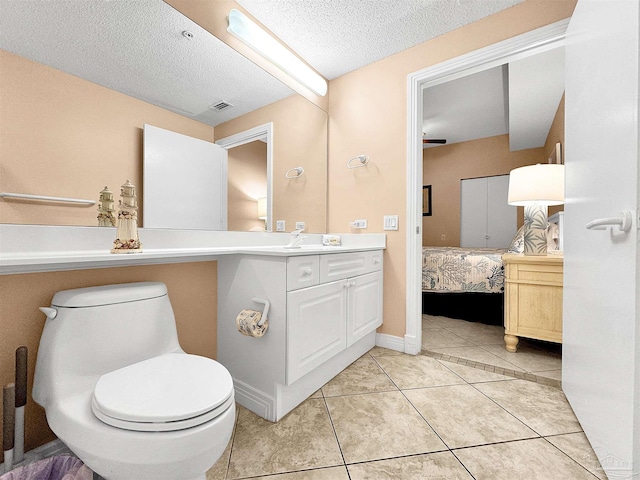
390 341
255 400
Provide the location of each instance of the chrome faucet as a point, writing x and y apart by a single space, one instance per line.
296 239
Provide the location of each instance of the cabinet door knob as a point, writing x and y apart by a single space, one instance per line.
306 271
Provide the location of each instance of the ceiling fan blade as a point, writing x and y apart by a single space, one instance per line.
434 140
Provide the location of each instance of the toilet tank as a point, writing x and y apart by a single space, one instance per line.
100 329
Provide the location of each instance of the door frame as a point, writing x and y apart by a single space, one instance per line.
521 46
261 132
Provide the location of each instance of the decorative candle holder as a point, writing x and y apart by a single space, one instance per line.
127 240
106 210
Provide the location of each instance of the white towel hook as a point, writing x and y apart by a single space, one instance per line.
624 222
266 308
294 172
363 159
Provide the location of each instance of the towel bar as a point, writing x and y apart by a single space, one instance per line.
26 196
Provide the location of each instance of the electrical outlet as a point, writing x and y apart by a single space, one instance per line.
362 223
391 222
300 226
280 226
443 237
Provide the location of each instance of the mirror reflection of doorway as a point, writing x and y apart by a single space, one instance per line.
249 179
247 187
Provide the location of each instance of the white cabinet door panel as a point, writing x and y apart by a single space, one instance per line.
316 319
365 306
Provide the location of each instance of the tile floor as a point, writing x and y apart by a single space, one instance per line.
403 417
482 345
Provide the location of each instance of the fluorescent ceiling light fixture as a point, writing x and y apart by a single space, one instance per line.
254 36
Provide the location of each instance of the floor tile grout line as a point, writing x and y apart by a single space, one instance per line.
569 456
232 441
335 434
426 421
414 407
510 413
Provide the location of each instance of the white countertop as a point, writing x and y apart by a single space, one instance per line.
33 248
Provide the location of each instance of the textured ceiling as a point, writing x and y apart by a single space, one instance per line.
137 48
338 36
520 98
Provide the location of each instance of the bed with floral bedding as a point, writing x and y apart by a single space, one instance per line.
455 269
463 283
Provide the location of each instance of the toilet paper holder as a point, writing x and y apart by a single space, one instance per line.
265 311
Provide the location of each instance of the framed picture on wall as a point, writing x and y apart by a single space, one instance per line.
426 201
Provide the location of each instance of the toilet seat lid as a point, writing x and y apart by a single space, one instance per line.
167 388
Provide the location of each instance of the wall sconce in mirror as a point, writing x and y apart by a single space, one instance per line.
294 172
362 159
249 32
426 201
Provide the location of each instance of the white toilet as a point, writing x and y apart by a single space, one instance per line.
119 391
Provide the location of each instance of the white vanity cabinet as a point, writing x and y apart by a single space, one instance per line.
324 310
343 307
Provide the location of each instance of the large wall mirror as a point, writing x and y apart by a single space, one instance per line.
79 81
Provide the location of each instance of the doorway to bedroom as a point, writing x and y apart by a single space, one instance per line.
477 124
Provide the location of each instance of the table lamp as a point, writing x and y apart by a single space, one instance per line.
536 187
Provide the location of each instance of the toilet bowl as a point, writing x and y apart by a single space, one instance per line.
119 391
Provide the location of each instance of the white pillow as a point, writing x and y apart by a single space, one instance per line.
517 244
553 234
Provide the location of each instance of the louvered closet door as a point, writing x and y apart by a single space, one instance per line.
486 220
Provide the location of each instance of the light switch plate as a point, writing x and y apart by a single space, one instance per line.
391 222
280 226
300 226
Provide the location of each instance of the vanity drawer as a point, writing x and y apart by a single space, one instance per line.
303 272
344 265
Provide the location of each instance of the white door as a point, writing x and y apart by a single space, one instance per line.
473 212
185 182
502 218
365 306
601 337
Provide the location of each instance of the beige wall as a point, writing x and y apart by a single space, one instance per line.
368 114
445 166
192 290
247 181
65 137
299 139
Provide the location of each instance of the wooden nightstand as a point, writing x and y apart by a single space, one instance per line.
532 298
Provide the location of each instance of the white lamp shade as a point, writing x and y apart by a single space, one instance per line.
262 208
541 184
